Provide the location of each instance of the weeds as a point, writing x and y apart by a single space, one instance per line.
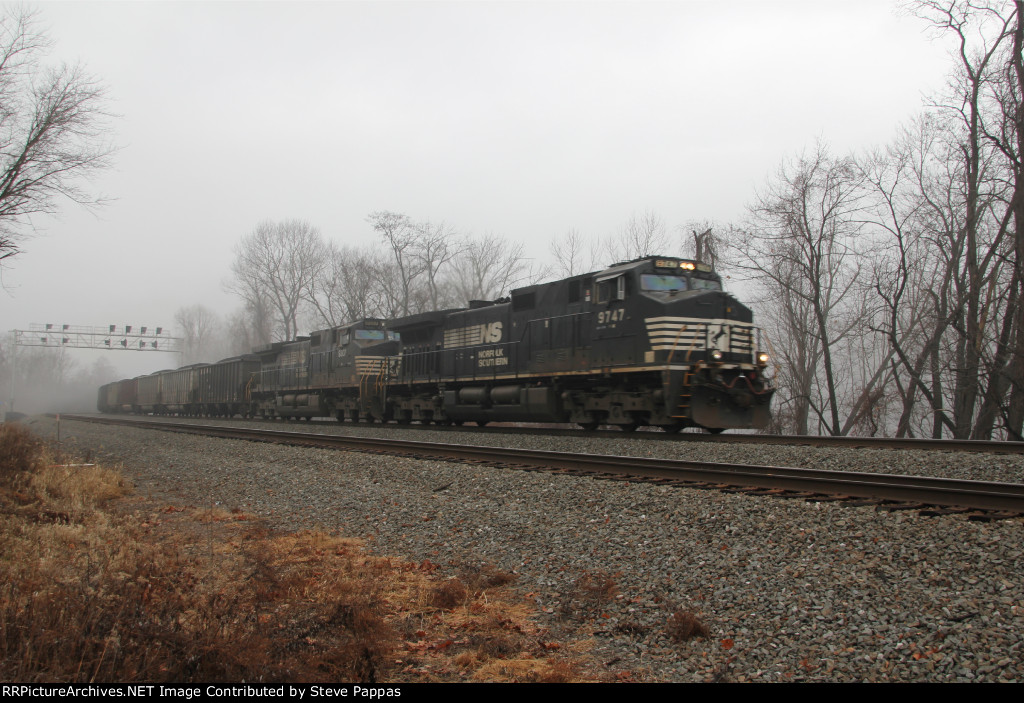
478 578
92 590
684 625
19 449
631 628
595 587
449 594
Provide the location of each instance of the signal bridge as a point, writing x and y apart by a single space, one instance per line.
126 337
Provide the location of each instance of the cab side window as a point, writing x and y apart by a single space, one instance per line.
575 291
611 289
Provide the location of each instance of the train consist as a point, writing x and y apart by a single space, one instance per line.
653 341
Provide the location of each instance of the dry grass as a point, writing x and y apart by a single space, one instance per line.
528 671
480 577
684 625
448 594
100 585
19 449
596 587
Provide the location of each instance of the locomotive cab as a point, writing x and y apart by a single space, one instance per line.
356 349
713 355
667 316
349 367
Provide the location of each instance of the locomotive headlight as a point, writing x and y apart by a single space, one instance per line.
762 358
716 355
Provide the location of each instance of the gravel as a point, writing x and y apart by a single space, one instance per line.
962 465
788 590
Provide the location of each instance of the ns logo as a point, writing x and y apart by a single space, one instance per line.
484 333
490 333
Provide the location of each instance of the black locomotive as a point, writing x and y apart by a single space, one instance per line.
648 342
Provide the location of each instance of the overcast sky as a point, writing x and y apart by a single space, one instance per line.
522 119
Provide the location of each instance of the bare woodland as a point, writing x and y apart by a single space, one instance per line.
52 130
888 281
891 280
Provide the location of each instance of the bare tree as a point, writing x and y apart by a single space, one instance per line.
435 248
242 332
642 235
52 129
490 266
1005 131
705 241
277 265
198 325
349 287
801 247
969 214
918 278
326 290
46 381
400 234
787 316
573 254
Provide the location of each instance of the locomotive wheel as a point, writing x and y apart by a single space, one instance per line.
715 430
481 423
588 426
629 427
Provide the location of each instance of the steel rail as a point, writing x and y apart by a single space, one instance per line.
892 443
980 495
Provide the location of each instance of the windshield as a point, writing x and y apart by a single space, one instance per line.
369 334
705 284
650 281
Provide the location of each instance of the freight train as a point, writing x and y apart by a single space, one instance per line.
654 341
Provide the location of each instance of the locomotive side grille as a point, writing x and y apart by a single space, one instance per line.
295 357
464 336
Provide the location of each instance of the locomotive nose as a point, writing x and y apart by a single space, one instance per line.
711 305
742 398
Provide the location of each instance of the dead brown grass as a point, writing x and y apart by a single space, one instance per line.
596 587
448 594
684 625
483 576
19 449
100 585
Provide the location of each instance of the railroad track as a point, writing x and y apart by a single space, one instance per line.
978 499
942 445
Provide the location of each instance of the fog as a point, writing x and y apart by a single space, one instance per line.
520 119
